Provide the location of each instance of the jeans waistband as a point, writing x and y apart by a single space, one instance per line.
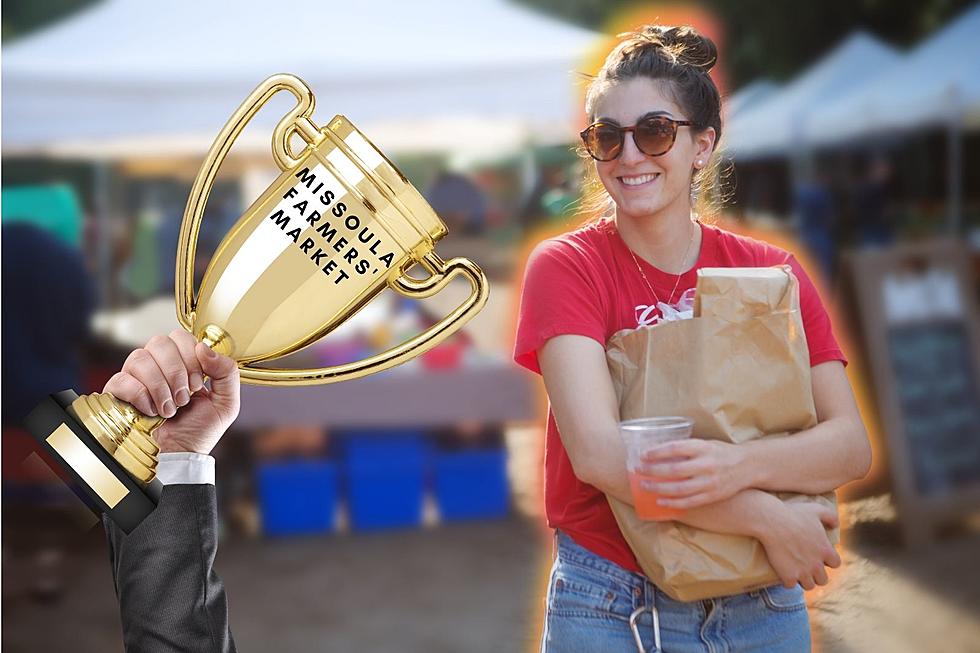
569 551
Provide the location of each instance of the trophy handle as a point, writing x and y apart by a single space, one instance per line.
440 273
296 121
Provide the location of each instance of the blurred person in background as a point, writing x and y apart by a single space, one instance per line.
813 204
550 197
872 204
49 299
655 122
459 201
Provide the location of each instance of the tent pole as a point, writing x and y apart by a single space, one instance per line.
954 167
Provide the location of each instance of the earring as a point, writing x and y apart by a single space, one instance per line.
700 163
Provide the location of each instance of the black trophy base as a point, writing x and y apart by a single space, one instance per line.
106 483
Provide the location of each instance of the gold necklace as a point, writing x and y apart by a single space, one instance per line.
647 281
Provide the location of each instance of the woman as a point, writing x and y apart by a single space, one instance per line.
655 122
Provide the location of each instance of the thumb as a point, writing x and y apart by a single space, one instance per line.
223 372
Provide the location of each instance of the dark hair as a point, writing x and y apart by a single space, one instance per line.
681 57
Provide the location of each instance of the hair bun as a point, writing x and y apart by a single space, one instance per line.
689 46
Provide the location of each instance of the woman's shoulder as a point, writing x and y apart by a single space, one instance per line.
744 247
583 243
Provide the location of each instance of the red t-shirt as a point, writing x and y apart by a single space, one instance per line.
585 282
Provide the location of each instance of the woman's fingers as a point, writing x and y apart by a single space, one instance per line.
820 577
832 559
676 449
679 468
677 488
828 517
185 344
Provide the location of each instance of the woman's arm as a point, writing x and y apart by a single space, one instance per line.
813 461
587 413
584 404
822 458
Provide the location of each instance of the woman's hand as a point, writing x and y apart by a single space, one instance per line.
797 544
697 472
168 374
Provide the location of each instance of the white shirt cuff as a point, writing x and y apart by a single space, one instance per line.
185 467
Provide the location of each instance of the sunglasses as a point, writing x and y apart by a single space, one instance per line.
654 135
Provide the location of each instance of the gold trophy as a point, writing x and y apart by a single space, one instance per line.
340 224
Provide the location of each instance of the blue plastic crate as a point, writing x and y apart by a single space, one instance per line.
298 496
472 484
385 476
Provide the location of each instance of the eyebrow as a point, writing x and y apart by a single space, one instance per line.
645 115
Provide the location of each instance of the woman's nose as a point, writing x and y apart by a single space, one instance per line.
631 153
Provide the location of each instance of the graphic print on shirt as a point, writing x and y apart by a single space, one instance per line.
651 314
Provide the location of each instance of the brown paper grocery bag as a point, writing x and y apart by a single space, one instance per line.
740 368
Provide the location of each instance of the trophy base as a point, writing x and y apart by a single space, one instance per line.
106 483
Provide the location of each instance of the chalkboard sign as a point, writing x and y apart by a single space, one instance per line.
917 308
937 393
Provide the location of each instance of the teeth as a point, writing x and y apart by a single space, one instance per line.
636 181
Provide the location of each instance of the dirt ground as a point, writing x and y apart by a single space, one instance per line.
477 587
886 598
465 587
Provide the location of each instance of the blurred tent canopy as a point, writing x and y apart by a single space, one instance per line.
777 124
864 88
938 81
124 78
749 95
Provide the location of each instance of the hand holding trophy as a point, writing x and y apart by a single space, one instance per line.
166 377
340 224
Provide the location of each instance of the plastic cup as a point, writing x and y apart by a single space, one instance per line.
642 435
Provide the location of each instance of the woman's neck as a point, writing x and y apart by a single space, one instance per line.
661 239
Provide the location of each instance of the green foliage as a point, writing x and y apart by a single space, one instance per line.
21 17
777 39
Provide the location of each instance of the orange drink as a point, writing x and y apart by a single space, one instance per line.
645 500
640 436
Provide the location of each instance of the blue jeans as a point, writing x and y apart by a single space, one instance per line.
591 599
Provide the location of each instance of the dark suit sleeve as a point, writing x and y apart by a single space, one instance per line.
170 598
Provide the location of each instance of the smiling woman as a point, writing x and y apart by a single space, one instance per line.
655 124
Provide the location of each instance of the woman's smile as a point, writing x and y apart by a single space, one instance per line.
636 182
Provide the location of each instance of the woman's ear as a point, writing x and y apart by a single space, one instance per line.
706 143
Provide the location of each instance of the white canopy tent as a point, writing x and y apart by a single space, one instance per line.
777 125
937 81
128 83
124 76
748 96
